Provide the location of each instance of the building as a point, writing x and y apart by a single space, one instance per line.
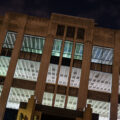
64 61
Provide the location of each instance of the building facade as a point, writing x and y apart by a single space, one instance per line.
64 61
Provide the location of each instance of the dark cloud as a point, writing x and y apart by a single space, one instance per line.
105 13
12 5
36 7
31 7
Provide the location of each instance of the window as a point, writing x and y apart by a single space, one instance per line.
80 33
60 30
67 49
56 47
8 44
78 51
102 55
9 40
33 44
70 32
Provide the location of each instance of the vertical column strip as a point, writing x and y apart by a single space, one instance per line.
71 64
45 60
85 70
11 68
115 78
60 62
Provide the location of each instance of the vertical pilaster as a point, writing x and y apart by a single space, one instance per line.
85 70
115 78
45 60
12 66
3 30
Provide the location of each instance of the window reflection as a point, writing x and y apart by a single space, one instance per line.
9 40
102 55
56 47
33 44
78 51
67 49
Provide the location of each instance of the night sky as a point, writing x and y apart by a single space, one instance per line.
105 12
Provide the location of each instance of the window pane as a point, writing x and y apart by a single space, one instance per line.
47 99
4 63
27 70
63 75
102 55
75 77
52 74
9 40
78 51
56 47
33 44
67 49
72 103
100 81
59 100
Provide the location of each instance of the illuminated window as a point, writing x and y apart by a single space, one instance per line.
72 103
8 44
78 51
56 47
67 49
9 40
47 99
33 44
102 55
59 100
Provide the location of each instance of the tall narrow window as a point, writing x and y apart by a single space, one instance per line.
70 32
56 47
80 33
78 51
67 49
60 30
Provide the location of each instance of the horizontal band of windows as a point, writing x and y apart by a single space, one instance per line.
34 44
